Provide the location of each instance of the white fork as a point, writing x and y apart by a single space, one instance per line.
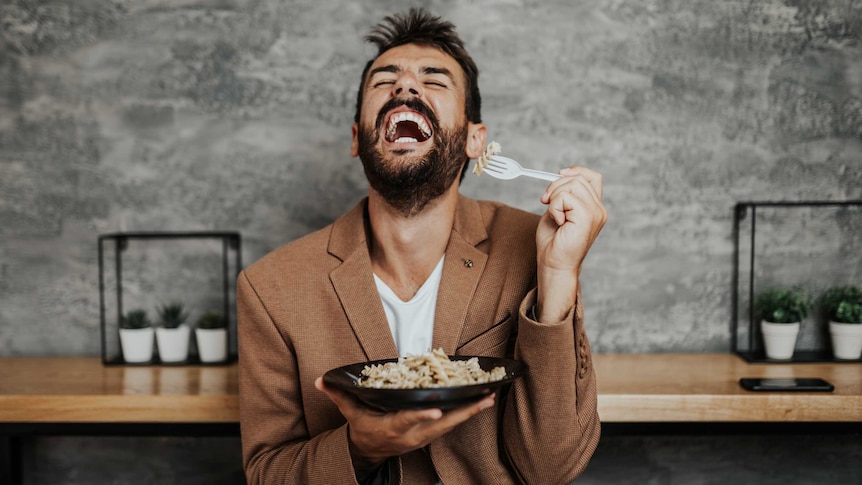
506 169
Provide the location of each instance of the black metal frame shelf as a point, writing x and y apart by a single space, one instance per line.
231 241
752 350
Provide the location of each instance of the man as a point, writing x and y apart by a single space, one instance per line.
485 279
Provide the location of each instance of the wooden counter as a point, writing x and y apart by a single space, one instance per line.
632 388
704 388
82 390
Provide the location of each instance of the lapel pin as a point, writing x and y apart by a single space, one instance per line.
468 263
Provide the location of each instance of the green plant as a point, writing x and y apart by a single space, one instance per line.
211 320
135 319
173 315
783 305
842 304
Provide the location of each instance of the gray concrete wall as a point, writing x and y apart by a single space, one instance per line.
235 115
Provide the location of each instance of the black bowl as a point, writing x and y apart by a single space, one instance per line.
346 379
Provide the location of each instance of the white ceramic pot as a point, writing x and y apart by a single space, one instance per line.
846 340
212 344
137 344
173 343
779 339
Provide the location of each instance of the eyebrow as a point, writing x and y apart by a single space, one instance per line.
425 70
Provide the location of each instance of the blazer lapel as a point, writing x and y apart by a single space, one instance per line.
353 281
354 284
462 270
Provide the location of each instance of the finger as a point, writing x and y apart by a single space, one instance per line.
427 430
458 415
594 178
333 394
345 403
567 208
553 187
575 196
322 387
562 208
438 420
407 419
580 189
578 184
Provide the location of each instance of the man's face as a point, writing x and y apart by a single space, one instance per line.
413 136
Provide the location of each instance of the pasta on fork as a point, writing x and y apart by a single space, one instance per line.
492 149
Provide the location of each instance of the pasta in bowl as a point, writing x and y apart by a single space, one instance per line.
417 382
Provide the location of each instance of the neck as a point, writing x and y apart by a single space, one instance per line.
406 248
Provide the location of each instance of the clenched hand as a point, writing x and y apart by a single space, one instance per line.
574 218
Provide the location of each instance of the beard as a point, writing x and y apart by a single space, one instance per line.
408 184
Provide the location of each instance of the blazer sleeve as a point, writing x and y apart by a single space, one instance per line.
276 446
551 425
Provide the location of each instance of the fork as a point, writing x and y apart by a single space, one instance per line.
506 169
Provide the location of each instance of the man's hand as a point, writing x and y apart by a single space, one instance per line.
375 436
574 218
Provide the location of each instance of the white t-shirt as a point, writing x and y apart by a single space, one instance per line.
412 322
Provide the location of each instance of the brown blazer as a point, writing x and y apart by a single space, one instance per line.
312 305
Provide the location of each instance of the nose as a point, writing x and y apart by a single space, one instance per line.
406 84
410 90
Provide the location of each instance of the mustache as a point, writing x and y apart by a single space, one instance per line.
412 103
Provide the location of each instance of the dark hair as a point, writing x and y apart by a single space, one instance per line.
420 27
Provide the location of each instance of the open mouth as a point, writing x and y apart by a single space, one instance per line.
407 127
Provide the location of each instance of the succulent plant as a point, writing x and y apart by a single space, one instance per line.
173 315
783 305
135 319
842 304
211 320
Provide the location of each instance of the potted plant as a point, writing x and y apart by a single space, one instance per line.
781 312
136 336
211 335
843 307
173 334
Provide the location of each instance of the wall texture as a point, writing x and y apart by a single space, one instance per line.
235 115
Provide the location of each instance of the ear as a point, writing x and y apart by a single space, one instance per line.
476 133
354 144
